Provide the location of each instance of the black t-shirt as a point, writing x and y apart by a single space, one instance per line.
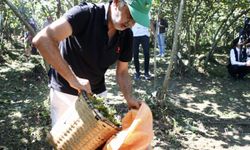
88 51
163 24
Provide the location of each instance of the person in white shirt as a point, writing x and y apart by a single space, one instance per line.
141 37
238 66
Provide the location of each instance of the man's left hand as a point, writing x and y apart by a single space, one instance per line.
133 103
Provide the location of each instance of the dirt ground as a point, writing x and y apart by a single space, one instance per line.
200 112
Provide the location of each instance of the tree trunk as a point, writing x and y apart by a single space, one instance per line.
162 93
19 15
27 25
155 45
1 28
59 8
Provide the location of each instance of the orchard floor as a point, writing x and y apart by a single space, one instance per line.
201 112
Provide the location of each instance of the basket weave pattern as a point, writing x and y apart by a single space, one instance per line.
80 128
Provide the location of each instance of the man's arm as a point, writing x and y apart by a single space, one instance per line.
47 41
124 82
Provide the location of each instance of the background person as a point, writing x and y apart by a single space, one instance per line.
81 45
162 25
239 66
141 37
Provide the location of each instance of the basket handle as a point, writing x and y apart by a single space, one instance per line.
84 96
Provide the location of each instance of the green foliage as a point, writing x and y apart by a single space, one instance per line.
206 25
105 110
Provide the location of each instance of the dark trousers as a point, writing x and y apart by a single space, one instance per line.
238 71
144 41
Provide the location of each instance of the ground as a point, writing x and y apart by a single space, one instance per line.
201 111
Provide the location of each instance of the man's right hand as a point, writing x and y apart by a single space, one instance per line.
81 84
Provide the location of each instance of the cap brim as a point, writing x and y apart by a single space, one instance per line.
141 18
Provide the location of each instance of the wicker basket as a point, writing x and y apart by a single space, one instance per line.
81 128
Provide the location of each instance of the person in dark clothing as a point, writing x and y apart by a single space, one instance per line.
162 27
239 65
81 45
141 37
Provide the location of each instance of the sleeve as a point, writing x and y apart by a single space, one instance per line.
126 46
78 17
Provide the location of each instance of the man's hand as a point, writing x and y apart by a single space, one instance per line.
133 103
81 84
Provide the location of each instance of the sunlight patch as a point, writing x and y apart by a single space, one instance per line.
36 134
187 96
20 67
204 107
189 86
24 141
246 95
4 70
115 99
140 91
15 114
210 92
27 101
228 114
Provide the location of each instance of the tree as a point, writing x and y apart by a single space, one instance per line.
161 94
20 16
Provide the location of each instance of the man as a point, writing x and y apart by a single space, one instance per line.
141 37
91 37
162 25
239 66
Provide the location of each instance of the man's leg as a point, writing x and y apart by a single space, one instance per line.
159 43
233 70
162 44
145 46
136 44
243 71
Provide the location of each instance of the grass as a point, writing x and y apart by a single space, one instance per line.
24 105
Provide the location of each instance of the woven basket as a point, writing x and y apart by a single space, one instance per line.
81 128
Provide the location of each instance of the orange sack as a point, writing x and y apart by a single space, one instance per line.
137 131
